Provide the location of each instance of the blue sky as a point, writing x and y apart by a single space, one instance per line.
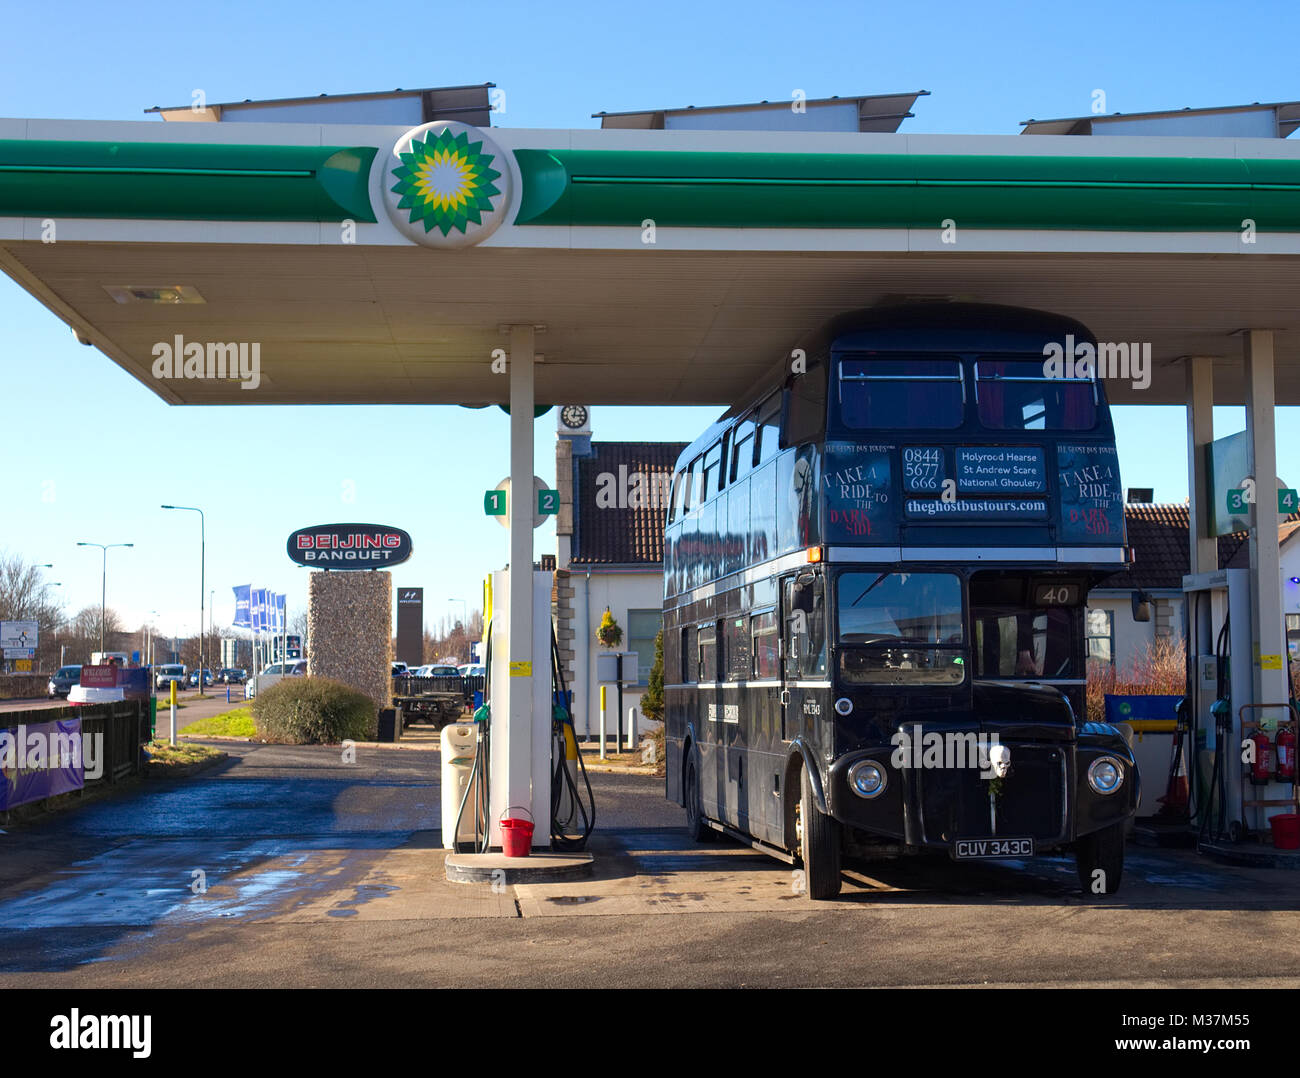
97 453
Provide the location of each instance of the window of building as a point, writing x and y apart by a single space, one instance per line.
642 628
1101 635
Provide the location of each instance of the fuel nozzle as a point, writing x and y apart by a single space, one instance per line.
1222 712
483 714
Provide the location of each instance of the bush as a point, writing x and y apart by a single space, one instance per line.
1160 669
652 700
314 710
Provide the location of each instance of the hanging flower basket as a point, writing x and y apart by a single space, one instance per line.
608 632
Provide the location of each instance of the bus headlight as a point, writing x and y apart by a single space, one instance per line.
868 779
1105 775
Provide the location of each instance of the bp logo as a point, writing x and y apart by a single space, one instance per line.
447 185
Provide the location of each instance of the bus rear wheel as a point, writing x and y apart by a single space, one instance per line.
819 844
695 825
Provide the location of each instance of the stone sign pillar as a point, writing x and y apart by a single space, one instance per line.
350 631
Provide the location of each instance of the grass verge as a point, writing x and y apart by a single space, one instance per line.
237 723
170 760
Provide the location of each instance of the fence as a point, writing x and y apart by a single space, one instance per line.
420 686
122 726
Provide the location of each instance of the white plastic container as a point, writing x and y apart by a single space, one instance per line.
459 746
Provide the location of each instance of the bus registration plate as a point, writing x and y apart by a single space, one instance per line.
975 849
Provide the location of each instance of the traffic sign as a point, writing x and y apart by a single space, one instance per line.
548 502
494 503
1288 500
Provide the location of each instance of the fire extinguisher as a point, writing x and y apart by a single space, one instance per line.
1261 771
1286 753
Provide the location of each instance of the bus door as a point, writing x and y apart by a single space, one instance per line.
708 710
805 692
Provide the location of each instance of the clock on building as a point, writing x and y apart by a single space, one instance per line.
574 416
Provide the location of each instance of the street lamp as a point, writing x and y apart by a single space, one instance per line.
465 616
103 585
202 585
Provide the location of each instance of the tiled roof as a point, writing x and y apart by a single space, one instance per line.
619 533
1158 536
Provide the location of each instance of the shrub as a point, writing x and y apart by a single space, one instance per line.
314 710
652 700
1159 669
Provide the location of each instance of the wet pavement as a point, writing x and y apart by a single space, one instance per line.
286 865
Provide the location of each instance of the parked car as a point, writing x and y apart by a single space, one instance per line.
439 670
63 679
230 675
400 670
167 673
273 673
473 670
193 678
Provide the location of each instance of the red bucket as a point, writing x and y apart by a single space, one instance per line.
516 836
1286 831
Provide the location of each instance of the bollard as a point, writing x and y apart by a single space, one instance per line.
173 702
602 722
631 729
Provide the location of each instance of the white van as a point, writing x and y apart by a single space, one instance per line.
165 674
273 673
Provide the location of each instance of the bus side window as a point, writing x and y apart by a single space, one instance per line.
708 663
690 495
675 499
743 445
766 650
689 666
735 643
710 482
769 424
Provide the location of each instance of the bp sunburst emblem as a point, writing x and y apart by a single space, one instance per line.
449 185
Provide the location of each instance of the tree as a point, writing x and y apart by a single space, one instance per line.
25 596
652 700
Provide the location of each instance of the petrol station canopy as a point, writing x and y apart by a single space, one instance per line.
668 262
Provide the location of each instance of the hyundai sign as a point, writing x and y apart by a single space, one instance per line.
349 546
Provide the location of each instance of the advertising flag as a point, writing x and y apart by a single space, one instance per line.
242 620
279 612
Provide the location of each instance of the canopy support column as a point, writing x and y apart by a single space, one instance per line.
1265 559
1204 547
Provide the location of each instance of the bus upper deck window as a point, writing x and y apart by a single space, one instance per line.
710 478
742 449
1016 394
769 428
901 393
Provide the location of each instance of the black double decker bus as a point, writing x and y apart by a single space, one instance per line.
875 578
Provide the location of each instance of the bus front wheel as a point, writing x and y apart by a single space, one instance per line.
819 844
1099 858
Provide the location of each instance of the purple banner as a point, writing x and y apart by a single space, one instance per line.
40 759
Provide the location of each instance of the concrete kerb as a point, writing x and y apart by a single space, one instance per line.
538 867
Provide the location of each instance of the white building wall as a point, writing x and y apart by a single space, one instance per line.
621 592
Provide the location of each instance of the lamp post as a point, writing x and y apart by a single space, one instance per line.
202 584
103 585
